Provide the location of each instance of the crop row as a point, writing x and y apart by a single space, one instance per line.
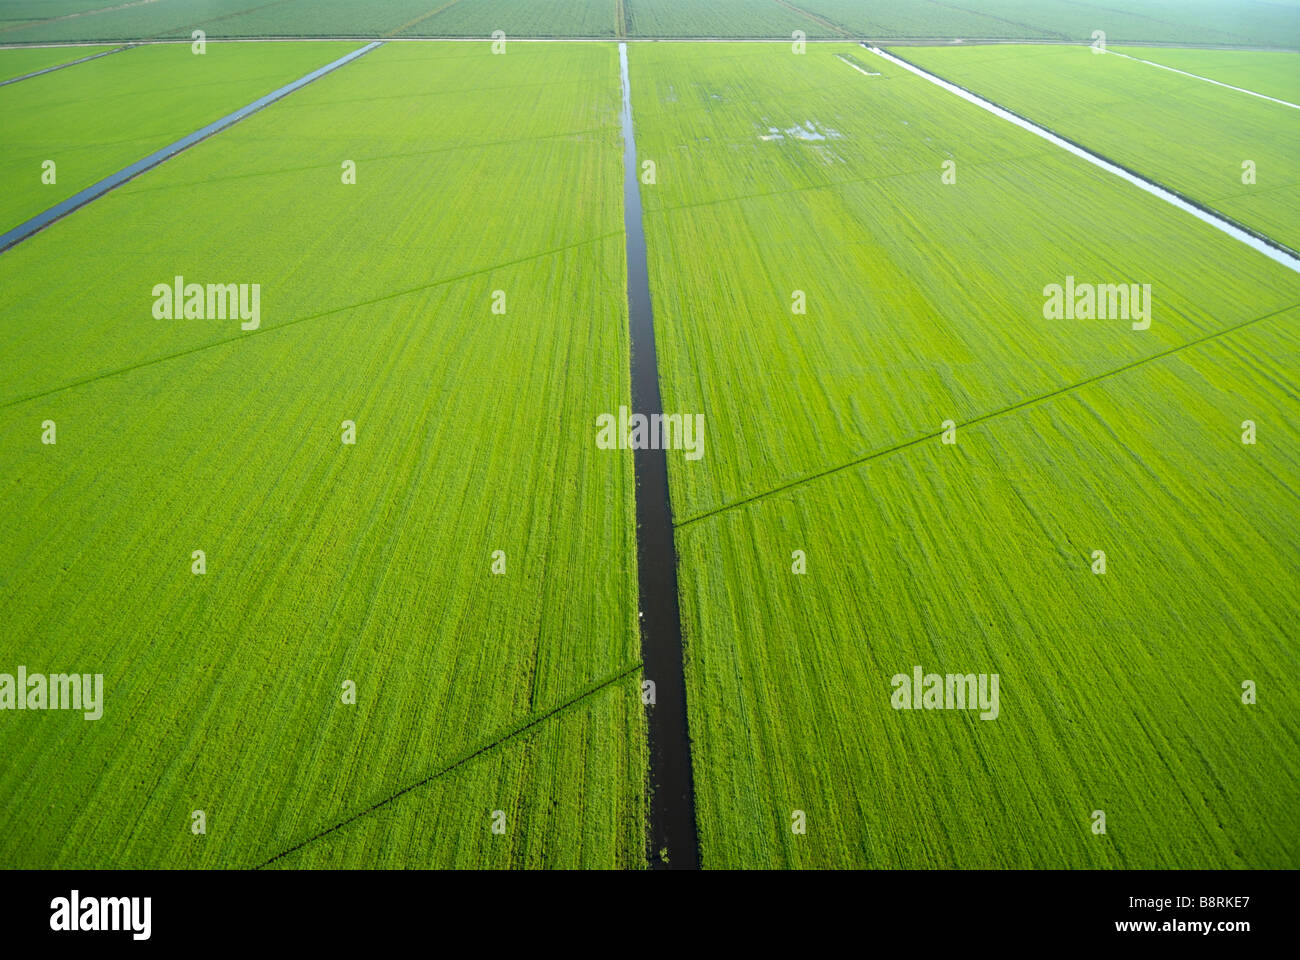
1251 22
392 483
1225 149
912 463
69 129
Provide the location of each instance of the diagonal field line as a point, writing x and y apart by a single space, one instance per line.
421 18
503 737
992 16
1011 408
1197 76
292 323
61 66
828 24
185 28
81 13
24 230
1266 245
378 157
832 185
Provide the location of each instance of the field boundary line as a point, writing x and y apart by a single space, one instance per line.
1260 242
420 19
505 735
552 38
43 21
380 158
664 38
78 200
1055 34
62 66
843 32
293 323
202 24
992 415
1197 76
835 185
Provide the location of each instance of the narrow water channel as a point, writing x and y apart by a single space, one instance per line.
673 840
111 182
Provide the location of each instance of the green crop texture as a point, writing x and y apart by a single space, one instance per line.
567 785
420 18
97 20
924 304
725 18
1181 132
360 575
1274 74
97 117
544 18
1256 22
309 18
372 562
913 19
891 260
1186 21
1240 22
49 9
16 63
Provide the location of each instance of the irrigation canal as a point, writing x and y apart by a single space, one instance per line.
672 787
97 190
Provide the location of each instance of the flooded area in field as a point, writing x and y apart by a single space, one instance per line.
808 131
